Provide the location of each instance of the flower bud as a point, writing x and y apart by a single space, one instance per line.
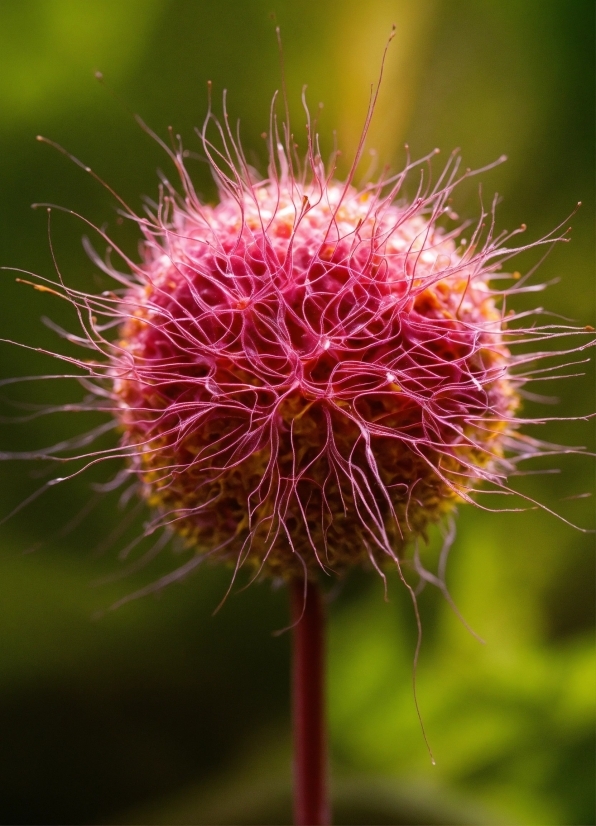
310 373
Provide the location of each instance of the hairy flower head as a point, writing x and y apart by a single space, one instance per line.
308 374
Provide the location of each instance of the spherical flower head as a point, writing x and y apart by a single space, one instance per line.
311 373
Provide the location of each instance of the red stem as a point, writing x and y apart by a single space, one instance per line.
311 806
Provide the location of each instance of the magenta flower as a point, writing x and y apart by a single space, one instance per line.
309 374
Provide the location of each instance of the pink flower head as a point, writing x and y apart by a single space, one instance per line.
309 374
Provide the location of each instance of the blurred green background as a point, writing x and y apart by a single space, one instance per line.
159 712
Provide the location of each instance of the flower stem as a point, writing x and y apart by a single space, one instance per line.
311 805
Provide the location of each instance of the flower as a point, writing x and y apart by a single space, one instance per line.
309 374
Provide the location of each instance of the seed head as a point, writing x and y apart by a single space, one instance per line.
308 373
311 373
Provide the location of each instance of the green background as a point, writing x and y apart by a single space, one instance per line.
159 712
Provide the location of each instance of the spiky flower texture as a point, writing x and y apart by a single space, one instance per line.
311 373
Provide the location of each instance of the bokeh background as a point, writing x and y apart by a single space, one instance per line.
159 712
